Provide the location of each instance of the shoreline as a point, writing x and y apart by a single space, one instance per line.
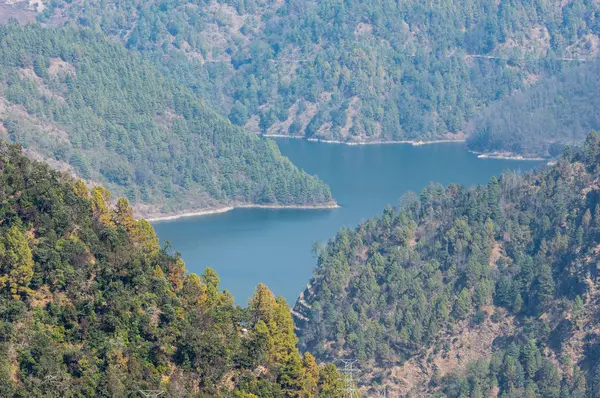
480 155
357 143
220 210
506 156
291 137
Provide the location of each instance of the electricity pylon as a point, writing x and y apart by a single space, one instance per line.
151 393
349 370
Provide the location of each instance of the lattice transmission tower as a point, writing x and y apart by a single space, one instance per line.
349 371
151 393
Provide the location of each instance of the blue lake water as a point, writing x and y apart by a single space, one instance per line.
248 246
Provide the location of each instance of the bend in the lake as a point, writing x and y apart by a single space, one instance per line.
274 246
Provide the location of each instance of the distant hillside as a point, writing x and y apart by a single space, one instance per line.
346 70
484 292
90 106
91 306
557 111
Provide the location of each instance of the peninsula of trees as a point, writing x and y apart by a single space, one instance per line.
71 97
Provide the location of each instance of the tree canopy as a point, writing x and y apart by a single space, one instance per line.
101 111
90 305
348 70
503 274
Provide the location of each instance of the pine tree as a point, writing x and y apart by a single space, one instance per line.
211 280
578 389
281 327
545 287
312 370
262 304
531 358
124 215
331 383
578 311
260 344
591 148
291 377
145 237
100 202
463 303
595 384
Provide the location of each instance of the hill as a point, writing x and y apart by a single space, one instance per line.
90 305
557 111
71 97
490 291
347 71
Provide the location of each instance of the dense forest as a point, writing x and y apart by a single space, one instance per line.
489 291
89 105
91 306
348 70
557 111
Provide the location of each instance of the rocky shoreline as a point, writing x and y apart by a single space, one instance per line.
219 210
505 156
356 143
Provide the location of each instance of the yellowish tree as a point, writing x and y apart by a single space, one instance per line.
124 215
176 273
193 291
100 201
81 189
262 304
282 330
311 372
145 237
211 280
16 262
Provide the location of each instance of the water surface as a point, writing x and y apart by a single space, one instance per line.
248 246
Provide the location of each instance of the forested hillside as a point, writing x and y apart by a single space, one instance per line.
348 70
490 291
88 105
557 111
91 306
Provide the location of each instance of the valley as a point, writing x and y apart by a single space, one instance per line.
299 198
274 246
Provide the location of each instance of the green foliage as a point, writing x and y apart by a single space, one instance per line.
90 306
16 261
392 69
540 121
115 119
405 284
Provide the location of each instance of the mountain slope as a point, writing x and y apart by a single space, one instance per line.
349 71
91 306
556 111
491 291
76 99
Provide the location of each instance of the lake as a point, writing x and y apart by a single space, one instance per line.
248 246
